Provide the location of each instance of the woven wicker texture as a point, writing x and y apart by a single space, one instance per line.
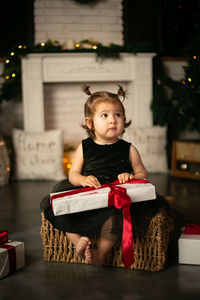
150 249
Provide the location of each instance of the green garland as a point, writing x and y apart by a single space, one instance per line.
11 87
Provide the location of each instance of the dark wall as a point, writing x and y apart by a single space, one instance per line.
142 22
167 25
16 24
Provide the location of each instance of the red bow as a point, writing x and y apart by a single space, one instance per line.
192 229
11 250
119 198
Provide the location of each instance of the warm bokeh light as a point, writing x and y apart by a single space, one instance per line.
68 159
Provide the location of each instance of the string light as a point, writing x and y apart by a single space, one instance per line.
189 79
94 47
7 61
194 57
7 77
77 45
42 44
20 46
12 53
183 81
13 74
68 159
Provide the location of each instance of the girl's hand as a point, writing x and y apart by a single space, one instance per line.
124 177
91 181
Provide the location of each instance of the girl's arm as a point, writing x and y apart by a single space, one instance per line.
75 176
139 171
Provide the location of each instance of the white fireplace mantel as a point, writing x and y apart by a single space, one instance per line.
38 69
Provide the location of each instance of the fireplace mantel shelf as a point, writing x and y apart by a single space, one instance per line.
89 54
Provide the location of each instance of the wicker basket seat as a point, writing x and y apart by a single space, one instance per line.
150 249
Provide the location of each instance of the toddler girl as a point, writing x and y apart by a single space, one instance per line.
101 158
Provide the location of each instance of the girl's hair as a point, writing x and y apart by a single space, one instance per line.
100 97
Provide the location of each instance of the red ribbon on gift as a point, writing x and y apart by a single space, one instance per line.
10 249
117 197
192 229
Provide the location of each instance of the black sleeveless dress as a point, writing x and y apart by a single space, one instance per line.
105 162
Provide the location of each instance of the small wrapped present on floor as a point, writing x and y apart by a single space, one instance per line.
189 245
91 198
11 255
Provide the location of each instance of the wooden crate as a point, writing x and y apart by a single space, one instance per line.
186 159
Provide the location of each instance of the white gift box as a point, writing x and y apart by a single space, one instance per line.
4 258
98 198
189 249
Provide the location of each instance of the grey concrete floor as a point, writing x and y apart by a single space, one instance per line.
20 214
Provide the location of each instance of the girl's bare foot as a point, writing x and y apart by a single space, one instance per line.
94 257
81 246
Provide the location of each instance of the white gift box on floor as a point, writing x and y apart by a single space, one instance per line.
4 257
98 198
189 249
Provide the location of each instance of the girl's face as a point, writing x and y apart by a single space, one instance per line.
108 122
